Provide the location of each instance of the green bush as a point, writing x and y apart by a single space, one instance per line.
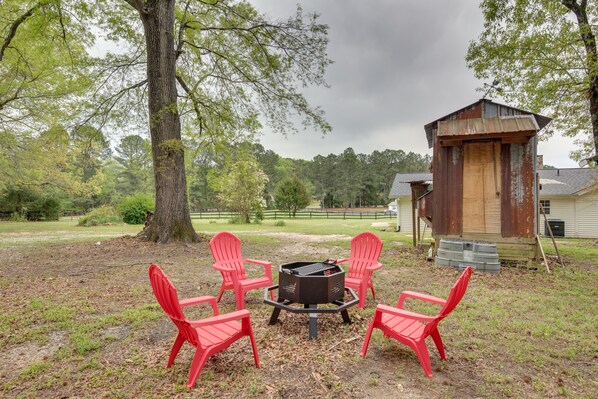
100 216
44 208
134 209
280 223
29 204
17 217
236 220
259 215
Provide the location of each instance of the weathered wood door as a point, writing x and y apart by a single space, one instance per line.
481 188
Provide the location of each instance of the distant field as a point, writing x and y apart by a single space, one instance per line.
66 230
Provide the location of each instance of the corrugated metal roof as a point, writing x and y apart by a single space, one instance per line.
523 124
429 127
400 185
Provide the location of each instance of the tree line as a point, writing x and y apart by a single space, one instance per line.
61 172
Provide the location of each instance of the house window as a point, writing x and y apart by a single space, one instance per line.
546 205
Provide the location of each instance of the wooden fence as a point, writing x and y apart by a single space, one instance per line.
304 214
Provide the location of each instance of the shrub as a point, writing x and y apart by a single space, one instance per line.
44 208
134 209
17 217
100 216
236 220
280 223
259 215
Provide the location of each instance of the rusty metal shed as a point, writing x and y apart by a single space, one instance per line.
484 176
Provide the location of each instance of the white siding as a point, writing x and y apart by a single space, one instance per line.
562 209
404 217
587 212
580 214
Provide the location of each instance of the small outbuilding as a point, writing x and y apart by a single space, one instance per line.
484 177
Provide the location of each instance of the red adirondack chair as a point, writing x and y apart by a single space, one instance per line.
226 250
209 335
363 261
411 328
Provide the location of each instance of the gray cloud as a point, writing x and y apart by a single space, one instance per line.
398 65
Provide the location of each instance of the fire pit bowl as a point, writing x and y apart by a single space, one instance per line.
311 282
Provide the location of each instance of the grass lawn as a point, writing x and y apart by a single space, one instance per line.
78 319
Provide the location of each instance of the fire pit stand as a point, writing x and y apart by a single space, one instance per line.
310 284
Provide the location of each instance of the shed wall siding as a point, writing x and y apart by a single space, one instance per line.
404 220
587 215
580 214
561 209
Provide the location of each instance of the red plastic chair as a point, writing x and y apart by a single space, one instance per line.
226 250
209 335
363 261
411 328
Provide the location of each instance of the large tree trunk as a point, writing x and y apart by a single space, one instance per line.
171 220
589 41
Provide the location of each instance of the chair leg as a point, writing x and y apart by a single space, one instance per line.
421 350
363 291
221 292
438 341
240 299
249 331
373 292
196 365
180 340
366 341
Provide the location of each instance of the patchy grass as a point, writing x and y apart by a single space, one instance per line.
78 319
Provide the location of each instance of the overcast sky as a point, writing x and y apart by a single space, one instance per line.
398 64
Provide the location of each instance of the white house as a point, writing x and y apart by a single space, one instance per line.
401 192
569 198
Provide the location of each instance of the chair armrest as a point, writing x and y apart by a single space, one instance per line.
267 266
223 269
258 262
201 299
374 267
403 313
342 260
416 295
239 314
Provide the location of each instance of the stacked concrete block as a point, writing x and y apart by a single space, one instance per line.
459 254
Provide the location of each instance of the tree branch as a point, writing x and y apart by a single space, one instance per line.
14 27
194 100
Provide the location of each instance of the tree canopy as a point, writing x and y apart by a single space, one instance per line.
291 195
240 188
213 70
541 55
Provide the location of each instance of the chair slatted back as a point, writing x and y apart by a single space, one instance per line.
226 250
455 296
365 251
169 301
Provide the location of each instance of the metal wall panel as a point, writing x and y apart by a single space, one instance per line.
518 186
448 190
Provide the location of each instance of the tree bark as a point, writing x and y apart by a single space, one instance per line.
172 220
589 41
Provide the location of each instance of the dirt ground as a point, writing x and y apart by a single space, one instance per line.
99 279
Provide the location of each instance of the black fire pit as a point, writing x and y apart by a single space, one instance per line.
310 284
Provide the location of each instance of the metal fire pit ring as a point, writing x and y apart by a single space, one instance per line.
311 309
